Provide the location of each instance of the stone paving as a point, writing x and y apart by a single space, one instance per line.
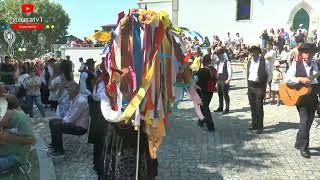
231 152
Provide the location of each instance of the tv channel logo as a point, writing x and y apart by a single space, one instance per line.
27 8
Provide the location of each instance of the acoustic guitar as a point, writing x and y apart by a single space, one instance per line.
291 95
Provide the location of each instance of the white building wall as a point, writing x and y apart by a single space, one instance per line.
211 17
85 53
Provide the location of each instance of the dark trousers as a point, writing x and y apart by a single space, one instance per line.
256 96
306 114
57 128
7 162
223 93
98 158
54 105
206 98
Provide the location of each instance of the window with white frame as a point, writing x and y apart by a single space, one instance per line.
243 10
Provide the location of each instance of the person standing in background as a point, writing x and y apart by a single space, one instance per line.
87 78
33 84
55 86
265 39
7 73
313 38
270 56
45 78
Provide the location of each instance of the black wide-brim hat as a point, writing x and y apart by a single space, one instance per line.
255 48
90 61
309 47
220 50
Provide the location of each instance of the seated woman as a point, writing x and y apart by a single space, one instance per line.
16 135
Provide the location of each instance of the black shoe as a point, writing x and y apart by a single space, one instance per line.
200 123
56 154
259 131
252 129
218 110
305 154
95 168
225 111
49 147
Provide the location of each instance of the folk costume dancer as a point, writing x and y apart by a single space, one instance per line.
98 124
300 73
87 78
223 82
258 74
204 77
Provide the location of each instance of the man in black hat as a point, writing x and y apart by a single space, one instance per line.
87 78
258 74
82 66
300 73
223 80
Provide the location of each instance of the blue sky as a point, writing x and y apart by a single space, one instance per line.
88 15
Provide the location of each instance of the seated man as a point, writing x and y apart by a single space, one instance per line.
75 121
16 135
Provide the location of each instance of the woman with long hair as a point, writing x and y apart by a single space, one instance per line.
54 85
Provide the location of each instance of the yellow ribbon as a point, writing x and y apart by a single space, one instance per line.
135 102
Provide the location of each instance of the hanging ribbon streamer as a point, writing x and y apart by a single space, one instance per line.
135 102
137 53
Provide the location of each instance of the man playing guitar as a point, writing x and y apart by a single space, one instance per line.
300 73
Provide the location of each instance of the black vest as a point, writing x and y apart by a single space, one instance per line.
224 75
89 80
262 74
310 99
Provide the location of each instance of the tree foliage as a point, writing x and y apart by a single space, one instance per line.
51 13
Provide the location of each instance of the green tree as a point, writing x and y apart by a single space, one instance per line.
51 13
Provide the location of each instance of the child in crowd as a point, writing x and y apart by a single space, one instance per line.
276 80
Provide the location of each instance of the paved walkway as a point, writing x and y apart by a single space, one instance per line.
231 152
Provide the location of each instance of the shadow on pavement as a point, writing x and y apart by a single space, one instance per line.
197 153
281 126
235 79
237 88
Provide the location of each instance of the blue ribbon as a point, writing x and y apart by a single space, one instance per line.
137 52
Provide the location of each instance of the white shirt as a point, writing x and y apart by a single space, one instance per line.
227 41
83 84
78 113
99 91
303 31
285 56
50 69
291 73
22 79
253 71
220 69
43 74
238 40
271 56
54 94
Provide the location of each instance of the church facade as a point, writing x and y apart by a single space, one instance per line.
247 17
